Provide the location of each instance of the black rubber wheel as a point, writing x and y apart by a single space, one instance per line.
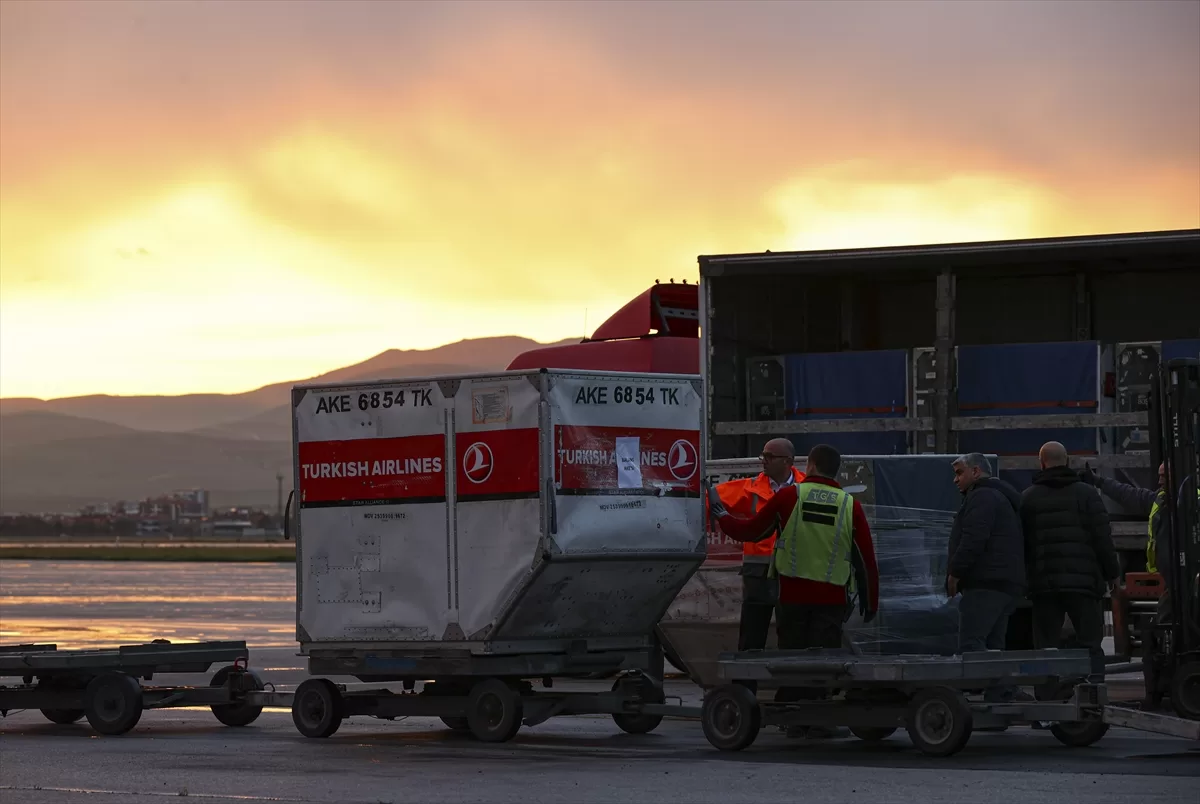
457 724
242 680
939 721
1185 690
731 717
63 717
494 711
649 693
872 734
113 703
1079 733
317 708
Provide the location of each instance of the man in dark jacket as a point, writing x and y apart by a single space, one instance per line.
1069 552
987 558
987 554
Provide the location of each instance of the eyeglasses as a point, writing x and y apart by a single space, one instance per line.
766 456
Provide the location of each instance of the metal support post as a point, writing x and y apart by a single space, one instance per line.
944 354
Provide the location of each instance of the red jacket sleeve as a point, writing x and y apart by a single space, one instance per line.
767 521
866 548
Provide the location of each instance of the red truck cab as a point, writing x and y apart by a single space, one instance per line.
658 332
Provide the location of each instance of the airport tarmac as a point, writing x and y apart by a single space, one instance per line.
186 753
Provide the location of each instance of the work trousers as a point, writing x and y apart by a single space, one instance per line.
983 619
982 625
803 625
759 594
1087 618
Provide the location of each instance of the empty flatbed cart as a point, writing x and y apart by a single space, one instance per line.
926 695
105 686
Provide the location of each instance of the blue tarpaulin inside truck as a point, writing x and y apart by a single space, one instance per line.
917 481
1028 380
1188 347
848 385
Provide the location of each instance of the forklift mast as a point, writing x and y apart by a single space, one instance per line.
1175 438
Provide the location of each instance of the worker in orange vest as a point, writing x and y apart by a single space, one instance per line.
743 498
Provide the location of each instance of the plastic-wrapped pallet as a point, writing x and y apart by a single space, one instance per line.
915 615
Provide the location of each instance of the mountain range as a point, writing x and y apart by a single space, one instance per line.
58 455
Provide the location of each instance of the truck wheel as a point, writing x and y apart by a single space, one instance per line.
731 718
494 711
1185 690
64 717
317 708
1079 733
113 703
240 680
629 722
939 721
872 734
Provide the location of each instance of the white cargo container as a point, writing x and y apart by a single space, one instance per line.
518 524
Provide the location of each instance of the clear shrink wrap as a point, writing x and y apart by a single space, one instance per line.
915 616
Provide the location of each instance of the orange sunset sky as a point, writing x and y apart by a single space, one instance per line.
211 196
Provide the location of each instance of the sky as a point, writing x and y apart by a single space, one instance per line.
212 196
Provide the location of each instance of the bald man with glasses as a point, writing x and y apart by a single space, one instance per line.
745 497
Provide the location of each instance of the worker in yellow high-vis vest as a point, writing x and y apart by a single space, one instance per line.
1149 503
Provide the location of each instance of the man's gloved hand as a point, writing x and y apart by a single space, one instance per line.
1088 476
864 607
861 584
716 508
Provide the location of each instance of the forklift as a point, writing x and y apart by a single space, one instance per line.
1171 656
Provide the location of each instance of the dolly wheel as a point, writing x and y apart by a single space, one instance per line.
1185 690
63 717
872 734
1079 733
113 703
650 693
317 708
939 721
241 681
731 717
494 711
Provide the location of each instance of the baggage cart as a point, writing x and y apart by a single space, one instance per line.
105 685
925 695
475 534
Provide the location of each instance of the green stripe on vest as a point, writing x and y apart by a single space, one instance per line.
815 542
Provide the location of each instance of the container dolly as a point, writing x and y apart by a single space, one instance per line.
487 696
926 695
105 686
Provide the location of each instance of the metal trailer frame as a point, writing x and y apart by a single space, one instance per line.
104 685
491 701
926 695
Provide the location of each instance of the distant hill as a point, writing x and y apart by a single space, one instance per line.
77 471
192 412
60 454
31 428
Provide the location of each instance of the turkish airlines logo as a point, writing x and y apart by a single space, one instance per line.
478 462
682 460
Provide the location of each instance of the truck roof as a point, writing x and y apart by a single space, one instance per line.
1177 245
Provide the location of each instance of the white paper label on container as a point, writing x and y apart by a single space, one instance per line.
629 465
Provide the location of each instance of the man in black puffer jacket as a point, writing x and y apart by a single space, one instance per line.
987 554
1069 552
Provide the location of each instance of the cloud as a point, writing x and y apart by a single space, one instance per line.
312 183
